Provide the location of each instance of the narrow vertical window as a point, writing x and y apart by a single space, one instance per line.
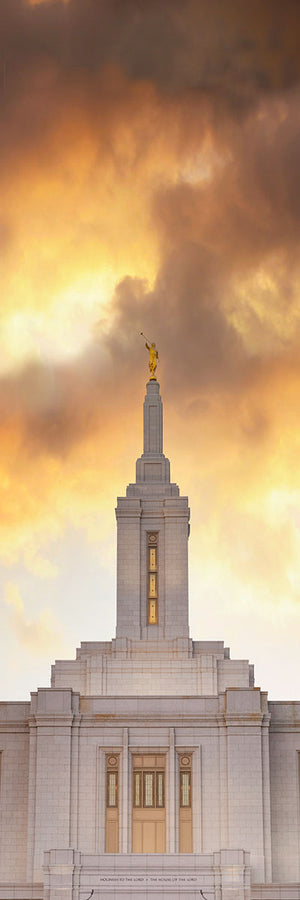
112 787
185 804
148 789
137 789
152 577
160 802
185 789
112 811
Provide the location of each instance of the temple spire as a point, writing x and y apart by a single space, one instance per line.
153 465
153 520
153 420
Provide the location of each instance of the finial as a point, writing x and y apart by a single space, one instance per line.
153 357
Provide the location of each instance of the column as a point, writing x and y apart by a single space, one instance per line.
124 842
266 792
197 800
245 789
74 811
31 797
171 842
223 783
53 710
62 874
101 800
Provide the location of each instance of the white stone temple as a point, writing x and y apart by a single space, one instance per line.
152 766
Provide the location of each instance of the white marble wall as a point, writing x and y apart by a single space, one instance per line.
53 775
285 789
14 764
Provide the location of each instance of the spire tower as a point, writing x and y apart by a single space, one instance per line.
152 542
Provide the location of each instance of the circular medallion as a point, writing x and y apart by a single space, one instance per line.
185 760
112 760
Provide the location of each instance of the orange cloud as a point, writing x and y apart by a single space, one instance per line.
145 187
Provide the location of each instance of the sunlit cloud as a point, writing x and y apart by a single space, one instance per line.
38 635
38 565
61 330
150 184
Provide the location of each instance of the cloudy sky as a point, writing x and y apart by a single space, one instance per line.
149 180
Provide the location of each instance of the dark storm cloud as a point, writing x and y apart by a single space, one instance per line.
209 61
56 406
230 50
197 344
252 204
210 235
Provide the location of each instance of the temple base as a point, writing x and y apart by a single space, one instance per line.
224 875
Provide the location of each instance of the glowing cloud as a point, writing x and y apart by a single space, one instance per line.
149 181
39 635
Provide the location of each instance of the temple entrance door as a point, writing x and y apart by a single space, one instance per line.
148 808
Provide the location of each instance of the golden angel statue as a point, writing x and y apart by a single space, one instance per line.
153 358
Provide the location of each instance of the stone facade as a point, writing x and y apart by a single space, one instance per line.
151 698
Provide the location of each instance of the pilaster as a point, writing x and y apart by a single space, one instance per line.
74 780
266 789
232 874
197 801
124 808
243 718
171 809
50 805
61 874
223 783
31 796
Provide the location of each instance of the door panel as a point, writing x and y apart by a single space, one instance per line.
149 843
137 837
111 831
148 831
160 837
185 831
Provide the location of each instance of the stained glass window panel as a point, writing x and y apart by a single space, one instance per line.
152 559
137 793
185 784
152 586
152 612
112 789
160 789
148 789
